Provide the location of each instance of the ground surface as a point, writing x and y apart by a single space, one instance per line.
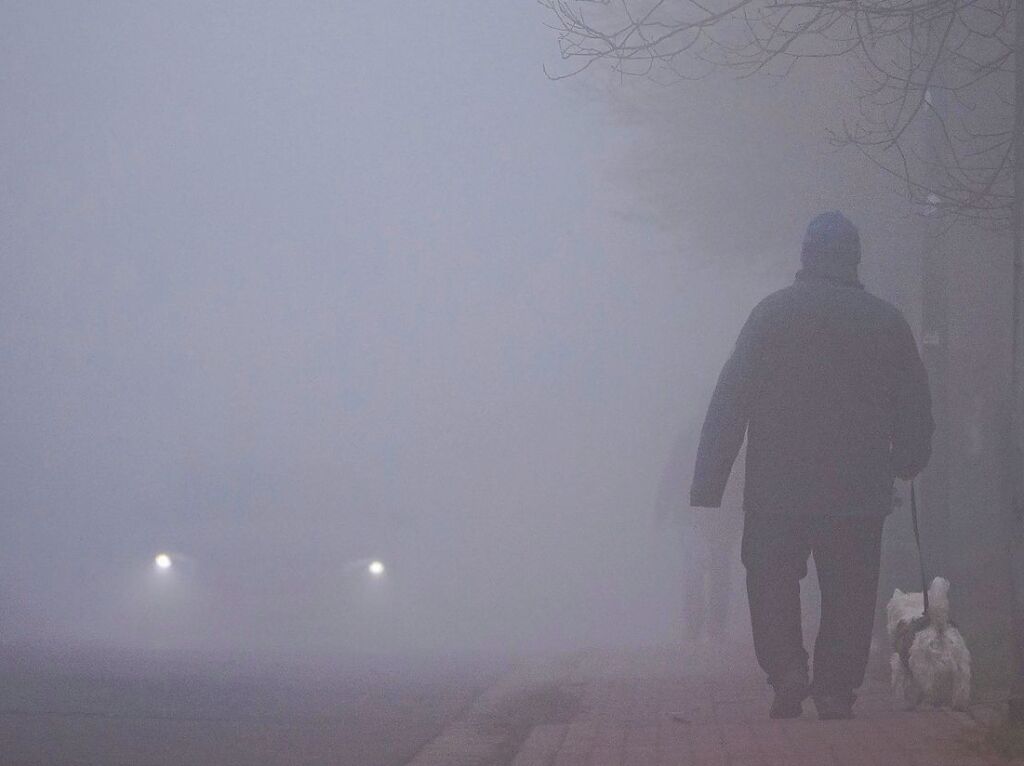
674 707
105 709
702 707
696 705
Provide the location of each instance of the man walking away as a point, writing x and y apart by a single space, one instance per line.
828 386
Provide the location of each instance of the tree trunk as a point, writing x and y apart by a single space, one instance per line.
973 357
1017 447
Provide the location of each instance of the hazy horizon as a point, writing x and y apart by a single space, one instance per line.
286 290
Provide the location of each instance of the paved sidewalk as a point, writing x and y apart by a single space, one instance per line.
720 719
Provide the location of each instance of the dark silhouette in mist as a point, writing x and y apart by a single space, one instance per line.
827 385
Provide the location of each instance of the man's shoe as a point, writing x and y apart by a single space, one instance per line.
833 708
790 694
785 706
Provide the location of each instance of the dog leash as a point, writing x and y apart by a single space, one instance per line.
917 540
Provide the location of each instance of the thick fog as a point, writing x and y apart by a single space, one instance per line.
290 288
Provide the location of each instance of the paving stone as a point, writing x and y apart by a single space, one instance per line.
605 756
642 736
580 737
570 759
540 746
635 717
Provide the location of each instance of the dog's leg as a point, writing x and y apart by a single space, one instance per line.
904 690
914 693
896 667
962 684
961 695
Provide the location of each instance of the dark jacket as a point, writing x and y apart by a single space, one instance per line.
827 384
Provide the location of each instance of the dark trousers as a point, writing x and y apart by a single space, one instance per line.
847 553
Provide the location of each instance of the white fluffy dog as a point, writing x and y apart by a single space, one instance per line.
930 662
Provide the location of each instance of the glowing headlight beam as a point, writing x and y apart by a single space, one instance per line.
162 561
376 568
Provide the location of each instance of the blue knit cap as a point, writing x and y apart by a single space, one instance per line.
831 240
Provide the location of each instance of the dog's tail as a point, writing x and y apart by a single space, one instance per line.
938 603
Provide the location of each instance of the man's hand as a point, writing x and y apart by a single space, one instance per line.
703 498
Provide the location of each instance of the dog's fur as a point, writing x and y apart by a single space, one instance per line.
938 666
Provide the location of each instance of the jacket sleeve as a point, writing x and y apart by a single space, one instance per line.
913 426
726 422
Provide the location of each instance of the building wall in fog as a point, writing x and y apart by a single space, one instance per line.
966 513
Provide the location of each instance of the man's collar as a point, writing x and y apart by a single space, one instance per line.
819 274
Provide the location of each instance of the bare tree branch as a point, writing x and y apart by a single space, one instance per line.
910 54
